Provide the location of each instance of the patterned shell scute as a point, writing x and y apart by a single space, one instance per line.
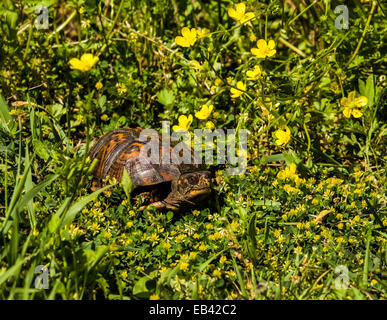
121 148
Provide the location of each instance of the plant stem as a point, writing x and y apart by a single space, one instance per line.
295 49
363 34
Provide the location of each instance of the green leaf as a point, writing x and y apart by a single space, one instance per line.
77 207
275 157
5 117
127 183
53 224
367 89
142 286
251 238
169 215
56 110
166 97
40 149
267 203
102 102
291 157
11 18
34 191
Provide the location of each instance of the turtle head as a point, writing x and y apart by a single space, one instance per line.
189 189
194 186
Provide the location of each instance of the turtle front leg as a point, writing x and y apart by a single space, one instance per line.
160 205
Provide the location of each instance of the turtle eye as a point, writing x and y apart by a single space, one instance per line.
193 180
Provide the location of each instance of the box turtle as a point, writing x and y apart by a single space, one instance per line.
172 186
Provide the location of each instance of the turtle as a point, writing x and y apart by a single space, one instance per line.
174 186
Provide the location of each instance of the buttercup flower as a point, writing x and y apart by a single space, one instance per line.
282 135
210 125
202 32
352 105
188 38
218 82
240 14
99 85
235 93
265 49
86 62
195 65
204 112
254 74
184 123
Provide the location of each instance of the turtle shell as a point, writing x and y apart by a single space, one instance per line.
121 148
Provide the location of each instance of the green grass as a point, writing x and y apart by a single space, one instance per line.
308 218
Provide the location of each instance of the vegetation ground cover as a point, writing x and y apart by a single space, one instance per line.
306 79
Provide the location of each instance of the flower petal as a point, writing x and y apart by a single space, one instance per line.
185 32
344 101
351 96
361 101
232 13
261 44
357 113
271 53
75 63
240 8
347 112
181 41
271 44
247 17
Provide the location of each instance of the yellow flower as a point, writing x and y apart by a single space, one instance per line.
218 82
235 93
288 172
217 273
167 245
282 135
216 115
239 13
184 123
202 32
108 235
254 74
193 255
210 125
352 105
188 37
85 64
264 49
184 266
154 297
204 112
202 247
252 37
104 117
194 64
222 259
99 85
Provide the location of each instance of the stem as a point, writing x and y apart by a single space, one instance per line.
115 19
363 34
307 136
295 49
28 42
302 12
64 24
